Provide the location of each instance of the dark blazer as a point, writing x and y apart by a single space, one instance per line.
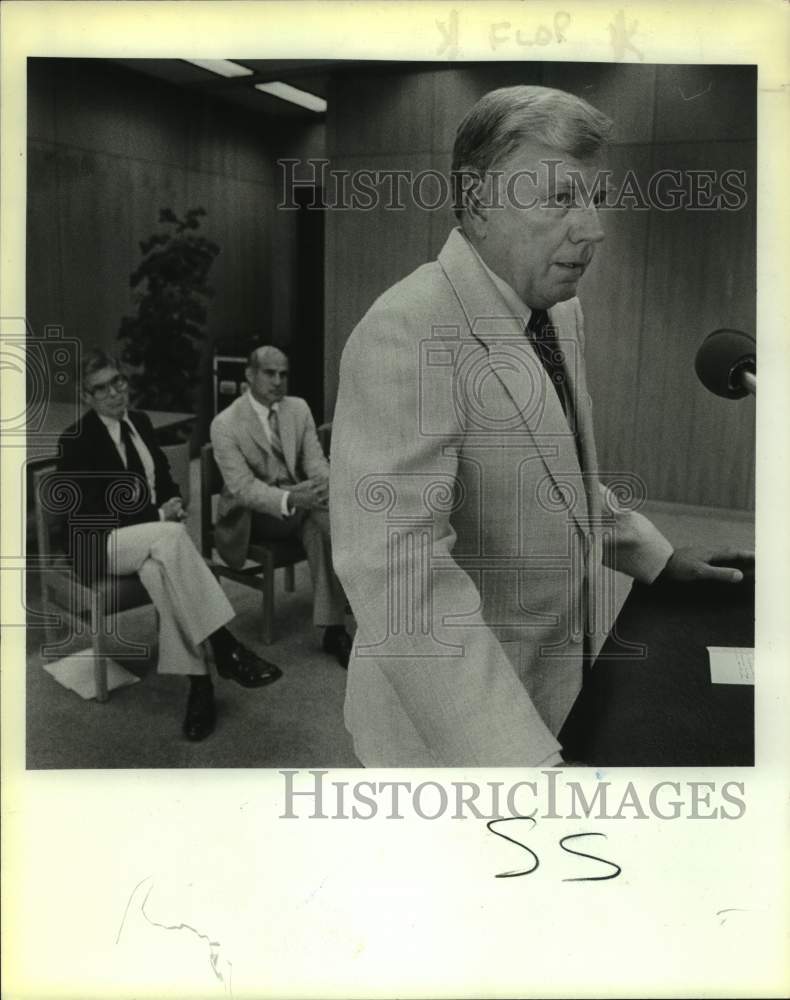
103 495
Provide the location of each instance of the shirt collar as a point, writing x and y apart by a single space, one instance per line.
507 292
261 408
112 424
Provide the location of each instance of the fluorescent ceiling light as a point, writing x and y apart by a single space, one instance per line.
292 94
222 67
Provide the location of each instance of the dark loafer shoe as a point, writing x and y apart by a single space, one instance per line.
201 713
337 642
244 667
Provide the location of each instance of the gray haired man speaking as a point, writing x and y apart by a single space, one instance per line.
468 522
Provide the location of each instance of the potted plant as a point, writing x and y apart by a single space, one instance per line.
163 339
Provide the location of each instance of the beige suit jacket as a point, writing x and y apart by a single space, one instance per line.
467 530
244 456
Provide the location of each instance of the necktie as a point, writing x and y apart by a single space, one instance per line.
133 461
543 337
274 435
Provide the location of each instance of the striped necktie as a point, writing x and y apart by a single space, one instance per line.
274 435
543 337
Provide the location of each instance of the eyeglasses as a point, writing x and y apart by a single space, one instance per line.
118 384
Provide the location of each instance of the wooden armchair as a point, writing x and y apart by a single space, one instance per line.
87 610
266 557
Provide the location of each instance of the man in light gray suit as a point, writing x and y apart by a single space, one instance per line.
469 526
276 485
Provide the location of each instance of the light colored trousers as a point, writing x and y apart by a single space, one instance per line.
312 530
190 602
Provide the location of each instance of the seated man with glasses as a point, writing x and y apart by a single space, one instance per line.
125 487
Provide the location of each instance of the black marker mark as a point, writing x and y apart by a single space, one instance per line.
592 857
508 819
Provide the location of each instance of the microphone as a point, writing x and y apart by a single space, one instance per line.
726 363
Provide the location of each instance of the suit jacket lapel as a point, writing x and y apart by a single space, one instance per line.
99 445
260 438
253 425
516 366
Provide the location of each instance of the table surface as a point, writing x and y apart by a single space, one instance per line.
659 707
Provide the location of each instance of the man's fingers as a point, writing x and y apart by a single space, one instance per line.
723 574
732 555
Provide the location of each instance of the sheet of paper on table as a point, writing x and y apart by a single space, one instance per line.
731 665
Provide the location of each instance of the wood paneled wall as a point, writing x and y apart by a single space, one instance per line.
661 281
108 147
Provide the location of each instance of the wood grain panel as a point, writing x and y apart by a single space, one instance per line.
378 111
44 286
458 88
120 147
442 220
611 294
706 103
287 282
110 110
623 92
222 140
692 446
94 224
241 272
366 252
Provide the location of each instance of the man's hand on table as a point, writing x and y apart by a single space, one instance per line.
696 564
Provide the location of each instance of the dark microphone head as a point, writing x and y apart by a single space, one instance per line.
723 357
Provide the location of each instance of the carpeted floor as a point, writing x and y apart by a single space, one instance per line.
295 722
